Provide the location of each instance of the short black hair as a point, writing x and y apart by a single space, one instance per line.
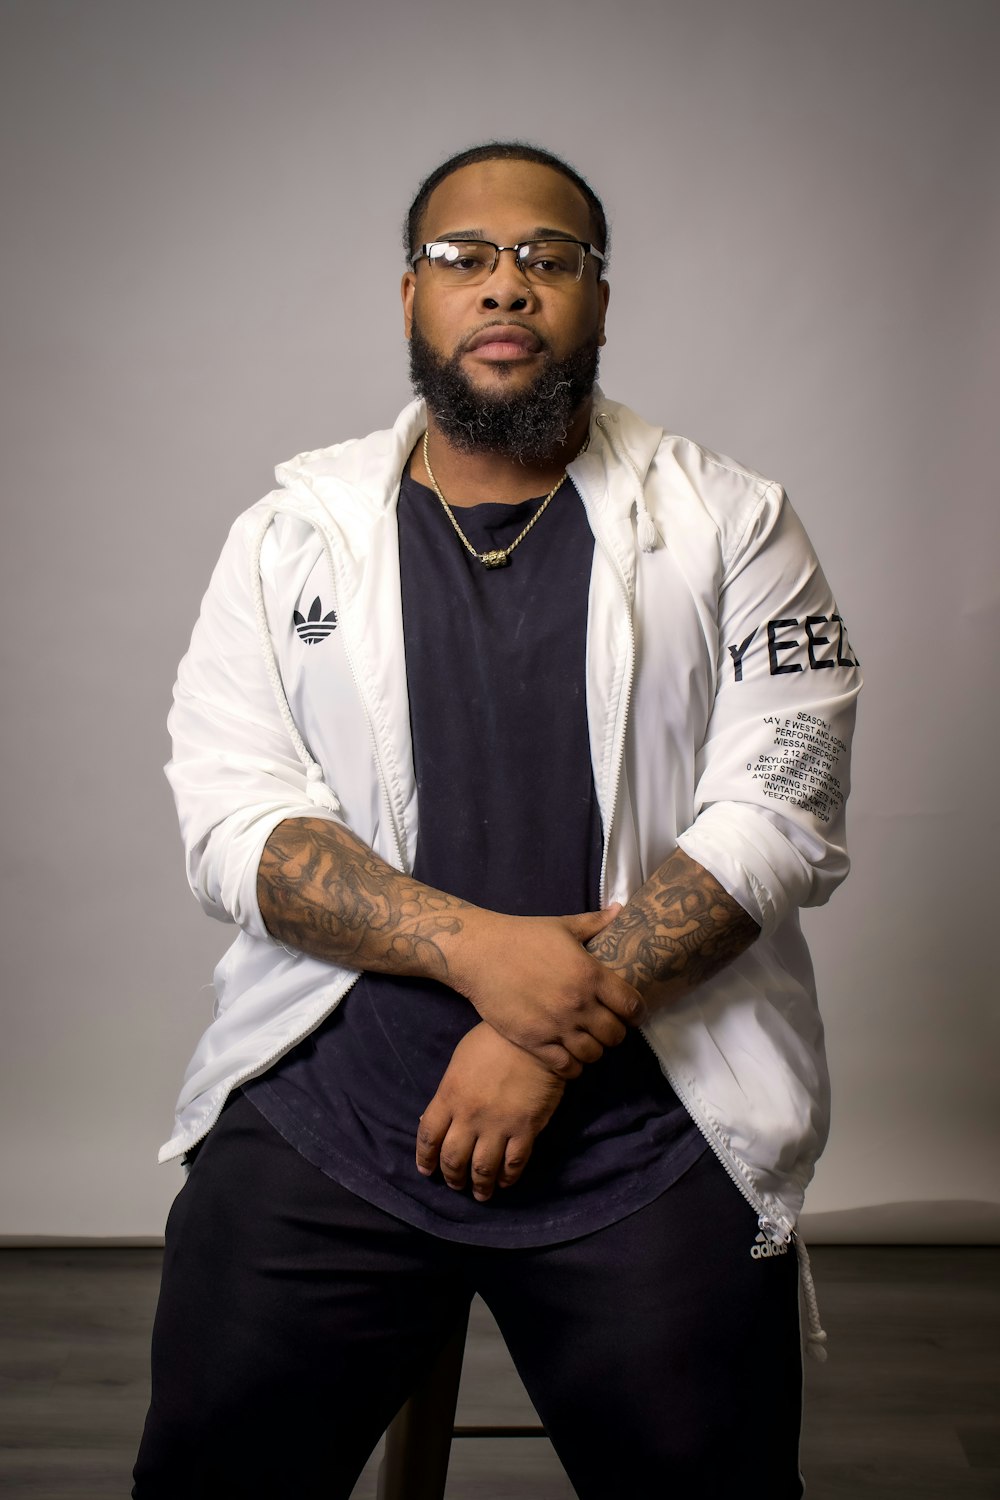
505 151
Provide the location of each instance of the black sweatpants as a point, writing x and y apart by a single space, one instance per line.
661 1355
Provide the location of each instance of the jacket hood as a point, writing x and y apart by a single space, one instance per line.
360 466
363 474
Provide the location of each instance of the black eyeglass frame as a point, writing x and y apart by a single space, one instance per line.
424 252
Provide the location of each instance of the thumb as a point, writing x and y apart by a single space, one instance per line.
588 924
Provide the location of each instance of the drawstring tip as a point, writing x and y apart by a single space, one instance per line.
319 794
816 1347
646 531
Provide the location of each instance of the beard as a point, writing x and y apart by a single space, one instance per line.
528 425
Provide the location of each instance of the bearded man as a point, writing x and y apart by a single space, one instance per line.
520 656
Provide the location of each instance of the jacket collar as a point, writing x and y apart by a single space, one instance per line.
362 477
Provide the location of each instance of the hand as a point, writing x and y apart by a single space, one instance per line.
491 1104
534 982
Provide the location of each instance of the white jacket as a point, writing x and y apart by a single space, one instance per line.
720 691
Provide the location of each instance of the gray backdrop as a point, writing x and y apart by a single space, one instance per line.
201 204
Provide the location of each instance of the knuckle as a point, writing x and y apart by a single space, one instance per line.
452 1162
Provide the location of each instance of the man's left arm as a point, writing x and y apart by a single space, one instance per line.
678 930
494 1099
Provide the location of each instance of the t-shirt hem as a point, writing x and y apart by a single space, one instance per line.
510 1235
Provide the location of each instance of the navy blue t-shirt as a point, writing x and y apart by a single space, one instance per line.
509 820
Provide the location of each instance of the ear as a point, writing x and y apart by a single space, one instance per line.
407 290
604 293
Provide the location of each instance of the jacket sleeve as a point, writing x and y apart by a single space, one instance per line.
773 773
234 770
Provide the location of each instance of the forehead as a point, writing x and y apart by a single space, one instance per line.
506 200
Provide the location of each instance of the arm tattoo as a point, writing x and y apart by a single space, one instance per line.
325 892
682 926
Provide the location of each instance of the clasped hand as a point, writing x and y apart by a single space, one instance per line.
491 1104
548 1008
535 983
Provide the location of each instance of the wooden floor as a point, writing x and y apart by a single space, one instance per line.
908 1404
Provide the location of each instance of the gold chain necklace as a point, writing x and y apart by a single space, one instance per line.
496 558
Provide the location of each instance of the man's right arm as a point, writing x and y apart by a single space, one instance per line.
323 891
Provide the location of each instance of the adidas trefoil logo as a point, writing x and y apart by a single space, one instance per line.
318 626
763 1248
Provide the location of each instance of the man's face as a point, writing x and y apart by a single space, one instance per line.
506 363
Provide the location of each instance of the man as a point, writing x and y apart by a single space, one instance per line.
522 655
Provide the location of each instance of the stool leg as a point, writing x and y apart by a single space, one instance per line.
418 1440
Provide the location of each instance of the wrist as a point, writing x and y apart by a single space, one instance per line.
461 948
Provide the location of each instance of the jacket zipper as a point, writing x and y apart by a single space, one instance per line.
620 749
759 1207
379 768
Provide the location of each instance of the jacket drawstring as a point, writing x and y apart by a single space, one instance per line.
779 1232
317 790
645 527
816 1337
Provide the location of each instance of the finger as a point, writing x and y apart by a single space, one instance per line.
515 1160
595 1027
586 925
619 996
605 1027
456 1153
557 1060
487 1159
431 1131
583 1046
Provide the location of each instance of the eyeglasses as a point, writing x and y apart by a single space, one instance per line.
469 262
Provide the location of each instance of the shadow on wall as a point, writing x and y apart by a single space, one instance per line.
950 1221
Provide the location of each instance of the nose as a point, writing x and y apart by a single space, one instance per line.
508 287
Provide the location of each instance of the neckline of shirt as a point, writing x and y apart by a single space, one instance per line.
508 507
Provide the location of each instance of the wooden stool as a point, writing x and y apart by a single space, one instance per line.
418 1440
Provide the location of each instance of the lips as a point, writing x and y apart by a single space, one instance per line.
505 340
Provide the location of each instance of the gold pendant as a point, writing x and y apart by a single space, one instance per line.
494 559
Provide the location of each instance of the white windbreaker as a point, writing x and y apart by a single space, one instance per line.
720 692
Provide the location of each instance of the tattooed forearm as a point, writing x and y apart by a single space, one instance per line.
323 891
678 930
